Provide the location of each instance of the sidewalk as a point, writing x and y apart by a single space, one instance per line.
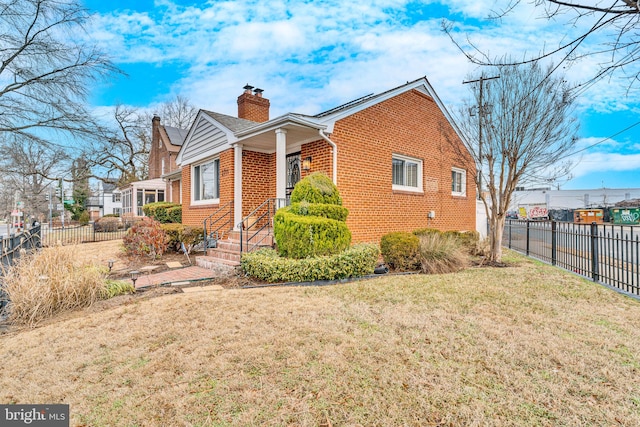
186 274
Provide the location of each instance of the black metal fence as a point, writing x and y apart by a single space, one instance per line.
608 254
11 248
78 234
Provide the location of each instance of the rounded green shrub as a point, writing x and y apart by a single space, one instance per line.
316 188
401 250
301 236
314 224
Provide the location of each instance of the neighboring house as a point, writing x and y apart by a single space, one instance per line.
139 193
165 144
164 175
396 157
107 201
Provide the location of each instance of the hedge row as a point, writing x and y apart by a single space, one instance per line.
164 212
265 264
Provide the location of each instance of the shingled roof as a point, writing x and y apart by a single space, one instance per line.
234 124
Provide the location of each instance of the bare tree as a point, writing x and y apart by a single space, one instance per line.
120 154
527 131
617 22
45 69
27 168
178 113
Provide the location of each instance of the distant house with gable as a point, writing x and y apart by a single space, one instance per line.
164 174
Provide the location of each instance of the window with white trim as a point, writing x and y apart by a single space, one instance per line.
458 182
406 173
206 182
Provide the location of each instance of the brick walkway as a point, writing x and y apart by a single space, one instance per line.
178 275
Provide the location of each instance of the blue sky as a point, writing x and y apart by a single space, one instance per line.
309 56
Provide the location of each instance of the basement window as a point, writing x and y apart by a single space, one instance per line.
406 173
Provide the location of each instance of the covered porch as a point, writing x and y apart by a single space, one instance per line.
270 158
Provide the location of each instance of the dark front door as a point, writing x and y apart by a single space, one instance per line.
293 171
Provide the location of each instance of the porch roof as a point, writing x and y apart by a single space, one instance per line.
262 136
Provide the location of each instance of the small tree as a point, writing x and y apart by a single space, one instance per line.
526 136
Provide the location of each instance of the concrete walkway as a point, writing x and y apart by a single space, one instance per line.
186 274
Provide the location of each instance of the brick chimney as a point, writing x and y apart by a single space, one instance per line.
252 106
154 151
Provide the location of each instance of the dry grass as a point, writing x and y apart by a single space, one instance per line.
441 253
521 346
49 282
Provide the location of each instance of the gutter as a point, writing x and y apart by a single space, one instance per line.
335 155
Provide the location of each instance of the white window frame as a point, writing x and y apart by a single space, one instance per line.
195 190
406 159
463 182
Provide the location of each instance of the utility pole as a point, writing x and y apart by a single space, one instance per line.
481 113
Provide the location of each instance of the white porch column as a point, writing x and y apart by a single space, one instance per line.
281 163
237 185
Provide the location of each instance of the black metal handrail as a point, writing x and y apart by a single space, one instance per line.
216 224
256 227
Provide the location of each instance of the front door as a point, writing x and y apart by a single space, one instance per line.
293 171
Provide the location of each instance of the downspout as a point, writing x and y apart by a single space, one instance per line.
335 155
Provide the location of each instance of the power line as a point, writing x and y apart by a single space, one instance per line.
601 141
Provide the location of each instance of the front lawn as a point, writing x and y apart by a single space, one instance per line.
524 345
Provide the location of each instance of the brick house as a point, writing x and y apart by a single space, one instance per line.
165 145
164 174
396 158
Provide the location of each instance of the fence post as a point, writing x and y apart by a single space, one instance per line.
527 252
595 274
12 245
553 242
510 228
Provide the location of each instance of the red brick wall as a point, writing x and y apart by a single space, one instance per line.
195 215
412 125
258 179
321 157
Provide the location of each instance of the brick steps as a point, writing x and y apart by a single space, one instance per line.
227 251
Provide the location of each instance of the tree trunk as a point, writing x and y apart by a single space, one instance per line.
496 230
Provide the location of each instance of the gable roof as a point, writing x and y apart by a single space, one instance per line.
234 124
235 130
